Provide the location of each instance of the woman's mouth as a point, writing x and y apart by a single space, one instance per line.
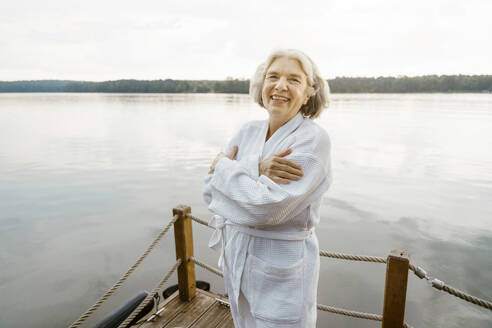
279 99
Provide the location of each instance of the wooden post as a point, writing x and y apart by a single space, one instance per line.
395 290
183 239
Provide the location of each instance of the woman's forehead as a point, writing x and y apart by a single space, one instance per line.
290 66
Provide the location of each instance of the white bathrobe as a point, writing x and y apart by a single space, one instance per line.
265 230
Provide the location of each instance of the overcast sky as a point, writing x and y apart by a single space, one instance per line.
212 39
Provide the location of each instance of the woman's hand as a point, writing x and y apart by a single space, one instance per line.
279 169
229 155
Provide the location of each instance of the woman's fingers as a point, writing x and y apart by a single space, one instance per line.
286 175
280 180
280 169
289 169
214 163
233 152
285 161
289 166
281 176
284 153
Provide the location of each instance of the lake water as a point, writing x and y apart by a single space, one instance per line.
88 180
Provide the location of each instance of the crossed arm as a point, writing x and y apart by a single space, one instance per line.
267 197
276 167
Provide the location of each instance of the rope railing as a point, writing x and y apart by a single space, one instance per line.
418 271
117 285
355 314
440 285
361 315
353 257
150 296
458 293
320 307
207 267
198 220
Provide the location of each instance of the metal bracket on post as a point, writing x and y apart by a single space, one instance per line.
183 238
395 290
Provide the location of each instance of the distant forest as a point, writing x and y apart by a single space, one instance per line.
427 83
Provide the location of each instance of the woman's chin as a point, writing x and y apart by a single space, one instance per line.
276 110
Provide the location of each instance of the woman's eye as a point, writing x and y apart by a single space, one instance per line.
272 77
295 80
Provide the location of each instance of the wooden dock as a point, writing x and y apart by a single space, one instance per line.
192 307
203 311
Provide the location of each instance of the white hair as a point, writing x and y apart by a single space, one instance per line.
318 89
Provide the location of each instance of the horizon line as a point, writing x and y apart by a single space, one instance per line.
243 79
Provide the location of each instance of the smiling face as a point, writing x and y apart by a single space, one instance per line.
284 89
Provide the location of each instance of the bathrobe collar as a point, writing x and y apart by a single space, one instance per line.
280 134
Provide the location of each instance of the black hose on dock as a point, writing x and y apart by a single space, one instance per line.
115 318
203 285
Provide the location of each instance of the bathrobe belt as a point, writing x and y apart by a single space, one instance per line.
217 239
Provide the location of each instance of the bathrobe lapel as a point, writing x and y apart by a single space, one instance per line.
271 146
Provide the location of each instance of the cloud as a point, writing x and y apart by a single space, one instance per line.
211 40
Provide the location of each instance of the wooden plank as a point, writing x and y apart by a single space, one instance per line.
183 239
213 295
226 322
221 310
172 307
202 311
195 309
395 290
172 311
213 317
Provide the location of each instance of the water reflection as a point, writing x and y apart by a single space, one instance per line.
87 180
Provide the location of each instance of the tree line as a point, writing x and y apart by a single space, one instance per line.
403 84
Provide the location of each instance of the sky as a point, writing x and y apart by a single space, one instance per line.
215 39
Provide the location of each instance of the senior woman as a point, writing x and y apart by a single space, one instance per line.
265 191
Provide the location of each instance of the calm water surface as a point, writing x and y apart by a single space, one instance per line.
88 180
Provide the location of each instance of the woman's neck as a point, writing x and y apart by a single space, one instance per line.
272 127
274 123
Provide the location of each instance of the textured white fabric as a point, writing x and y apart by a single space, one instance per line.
265 230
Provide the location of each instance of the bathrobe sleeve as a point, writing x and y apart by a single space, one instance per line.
250 163
240 196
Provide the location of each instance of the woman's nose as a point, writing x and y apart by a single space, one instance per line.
281 84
